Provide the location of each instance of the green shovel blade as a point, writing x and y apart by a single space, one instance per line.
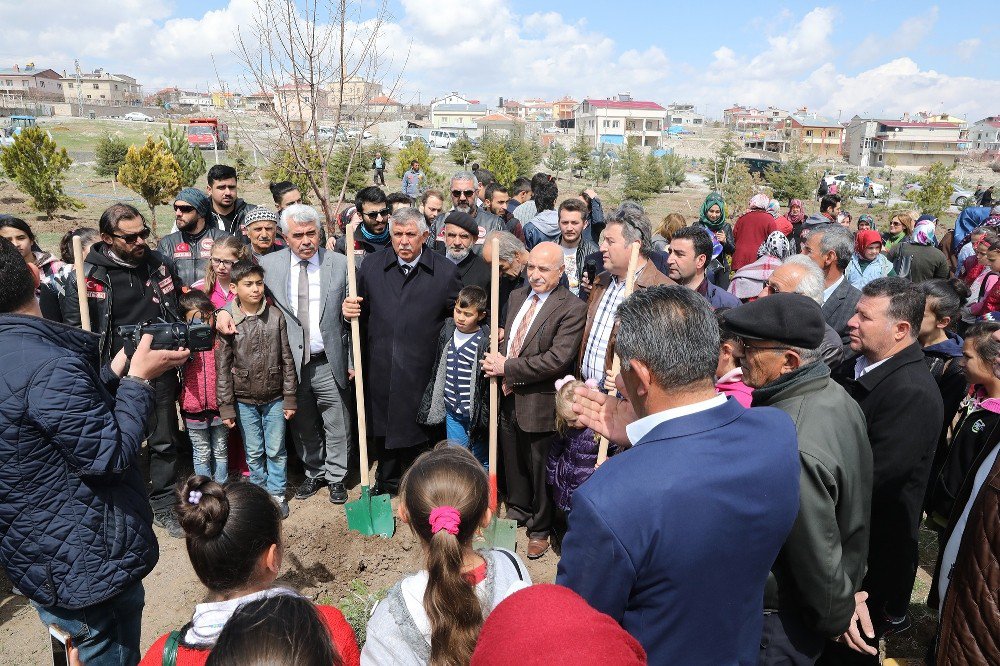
501 533
371 515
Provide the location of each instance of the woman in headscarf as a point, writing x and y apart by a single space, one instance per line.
925 260
868 262
796 215
749 281
751 230
866 222
781 222
713 218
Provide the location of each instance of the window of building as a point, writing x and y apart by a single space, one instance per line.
70 85
97 86
607 123
809 132
616 124
9 82
89 96
102 96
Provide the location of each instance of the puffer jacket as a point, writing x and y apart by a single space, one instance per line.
255 365
75 523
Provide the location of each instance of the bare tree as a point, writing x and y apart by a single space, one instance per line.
307 53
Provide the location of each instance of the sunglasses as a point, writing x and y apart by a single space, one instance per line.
183 209
375 214
458 193
131 238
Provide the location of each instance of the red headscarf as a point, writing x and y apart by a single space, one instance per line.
866 238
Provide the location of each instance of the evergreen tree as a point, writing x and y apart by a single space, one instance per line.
651 176
936 186
674 170
241 160
416 150
188 157
497 158
793 179
39 167
152 172
462 151
581 156
558 159
110 155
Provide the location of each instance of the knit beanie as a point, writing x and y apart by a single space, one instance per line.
551 625
196 198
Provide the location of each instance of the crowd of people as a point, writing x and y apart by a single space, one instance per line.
778 526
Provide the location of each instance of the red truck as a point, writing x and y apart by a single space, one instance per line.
208 133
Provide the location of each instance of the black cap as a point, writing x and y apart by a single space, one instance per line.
463 220
790 319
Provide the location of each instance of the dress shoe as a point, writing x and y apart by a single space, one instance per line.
309 488
338 493
282 505
537 546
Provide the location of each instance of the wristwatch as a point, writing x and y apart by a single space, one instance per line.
141 380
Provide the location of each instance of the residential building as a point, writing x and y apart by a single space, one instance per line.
459 117
613 121
29 83
166 96
512 108
747 118
357 92
685 115
192 99
294 102
382 108
875 143
103 89
259 101
501 123
985 134
451 99
537 110
811 134
563 109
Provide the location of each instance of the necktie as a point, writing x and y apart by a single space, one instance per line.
405 268
302 311
520 335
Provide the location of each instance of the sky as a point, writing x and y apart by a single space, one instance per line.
876 58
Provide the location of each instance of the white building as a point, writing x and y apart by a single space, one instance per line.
458 117
615 121
685 115
103 88
985 134
877 143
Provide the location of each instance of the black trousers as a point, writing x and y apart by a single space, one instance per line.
524 455
380 176
163 440
787 641
392 463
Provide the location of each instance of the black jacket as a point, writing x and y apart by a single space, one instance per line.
362 246
839 308
473 270
233 226
903 409
161 288
189 254
975 429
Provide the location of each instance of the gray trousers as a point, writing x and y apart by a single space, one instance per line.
320 428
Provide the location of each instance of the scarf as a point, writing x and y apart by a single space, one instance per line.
759 201
864 239
923 232
376 239
713 199
798 217
775 245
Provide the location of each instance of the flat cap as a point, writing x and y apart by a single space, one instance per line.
463 220
790 319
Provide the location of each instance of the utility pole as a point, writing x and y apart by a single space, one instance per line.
79 89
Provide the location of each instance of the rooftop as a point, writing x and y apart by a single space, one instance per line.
910 123
614 104
809 121
460 107
500 118
384 101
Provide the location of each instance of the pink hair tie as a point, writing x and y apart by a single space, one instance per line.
562 382
445 518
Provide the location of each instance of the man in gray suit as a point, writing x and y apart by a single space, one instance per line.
309 284
831 246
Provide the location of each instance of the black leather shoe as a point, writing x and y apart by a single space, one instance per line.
338 493
309 488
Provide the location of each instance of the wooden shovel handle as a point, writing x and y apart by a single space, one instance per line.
359 381
616 364
81 283
494 381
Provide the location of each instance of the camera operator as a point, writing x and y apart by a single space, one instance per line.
129 283
75 529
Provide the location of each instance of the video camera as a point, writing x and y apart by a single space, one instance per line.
196 336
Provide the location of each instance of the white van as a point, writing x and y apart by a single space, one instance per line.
442 138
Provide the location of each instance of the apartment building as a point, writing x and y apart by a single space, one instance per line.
985 134
103 89
812 134
685 115
872 142
615 121
29 83
563 108
742 118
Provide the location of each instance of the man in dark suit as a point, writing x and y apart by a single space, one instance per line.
831 246
309 284
674 537
544 326
903 408
405 292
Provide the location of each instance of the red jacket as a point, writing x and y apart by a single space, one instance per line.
198 391
990 302
750 231
340 632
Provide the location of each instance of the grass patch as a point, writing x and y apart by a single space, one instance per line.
358 605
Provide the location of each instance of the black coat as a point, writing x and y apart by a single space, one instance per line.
903 408
401 318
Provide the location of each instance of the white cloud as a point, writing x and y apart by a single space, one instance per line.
967 48
909 36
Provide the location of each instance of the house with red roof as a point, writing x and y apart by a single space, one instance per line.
616 120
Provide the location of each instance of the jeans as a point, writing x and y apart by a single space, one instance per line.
263 428
107 634
458 430
211 454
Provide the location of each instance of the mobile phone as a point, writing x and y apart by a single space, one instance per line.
590 270
61 643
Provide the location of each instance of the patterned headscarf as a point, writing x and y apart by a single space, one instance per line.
775 245
759 201
713 199
774 208
797 218
923 231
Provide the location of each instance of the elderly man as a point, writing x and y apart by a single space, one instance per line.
189 249
460 234
903 408
811 592
372 234
598 349
573 241
831 246
799 275
668 539
690 252
463 199
545 325
405 292
261 232
513 258
309 285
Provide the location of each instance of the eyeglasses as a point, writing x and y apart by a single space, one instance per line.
223 262
375 214
183 209
748 347
459 193
132 238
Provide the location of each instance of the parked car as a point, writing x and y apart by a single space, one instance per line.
760 165
442 138
353 133
844 185
958 196
335 134
138 117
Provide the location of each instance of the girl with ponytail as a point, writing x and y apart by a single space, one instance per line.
233 538
434 616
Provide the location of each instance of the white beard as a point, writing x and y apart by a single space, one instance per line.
457 256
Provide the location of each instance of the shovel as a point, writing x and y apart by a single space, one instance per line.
81 283
501 532
368 514
616 363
